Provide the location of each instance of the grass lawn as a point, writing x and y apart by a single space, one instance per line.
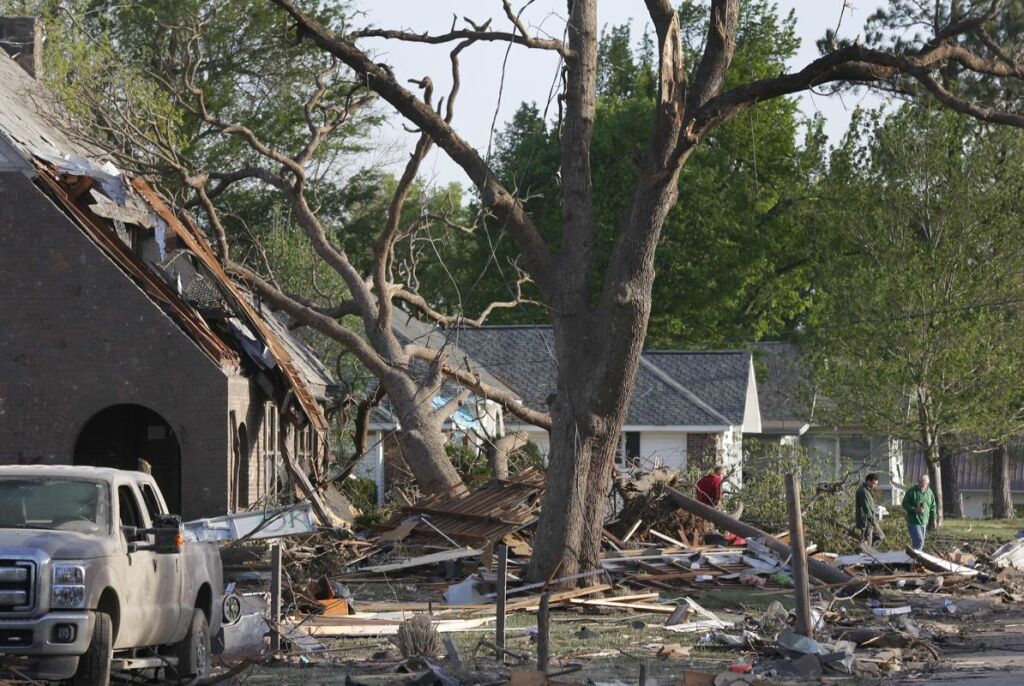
1000 530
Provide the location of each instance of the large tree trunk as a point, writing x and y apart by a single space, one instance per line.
1002 498
952 499
569 533
421 440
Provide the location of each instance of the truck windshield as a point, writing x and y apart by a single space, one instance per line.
49 503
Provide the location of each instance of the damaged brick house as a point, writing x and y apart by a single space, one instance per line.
122 338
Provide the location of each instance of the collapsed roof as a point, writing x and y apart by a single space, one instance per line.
167 257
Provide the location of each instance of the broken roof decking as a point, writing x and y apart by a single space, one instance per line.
492 511
71 173
685 388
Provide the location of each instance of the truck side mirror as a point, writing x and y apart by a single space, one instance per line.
166 532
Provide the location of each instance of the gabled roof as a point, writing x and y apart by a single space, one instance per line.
673 389
102 200
784 389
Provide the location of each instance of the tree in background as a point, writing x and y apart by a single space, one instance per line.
916 326
735 254
598 292
600 303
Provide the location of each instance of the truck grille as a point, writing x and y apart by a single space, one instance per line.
17 579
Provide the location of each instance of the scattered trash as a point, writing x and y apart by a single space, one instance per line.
891 611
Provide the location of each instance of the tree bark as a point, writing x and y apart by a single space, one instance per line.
1002 498
499 449
952 498
421 439
935 476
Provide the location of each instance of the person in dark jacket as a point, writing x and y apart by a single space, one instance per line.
868 529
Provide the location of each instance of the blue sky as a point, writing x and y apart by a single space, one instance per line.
528 74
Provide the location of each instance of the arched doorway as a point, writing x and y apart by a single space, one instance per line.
121 435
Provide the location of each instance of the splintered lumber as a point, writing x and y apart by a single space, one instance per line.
937 564
354 625
532 604
425 560
611 603
817 569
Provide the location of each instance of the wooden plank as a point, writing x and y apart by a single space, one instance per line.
275 597
533 604
382 627
668 539
937 564
801 583
632 530
424 560
640 607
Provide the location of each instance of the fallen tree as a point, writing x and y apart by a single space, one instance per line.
817 568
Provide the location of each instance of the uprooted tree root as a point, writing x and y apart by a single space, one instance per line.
643 498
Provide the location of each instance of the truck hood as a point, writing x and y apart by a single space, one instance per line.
59 545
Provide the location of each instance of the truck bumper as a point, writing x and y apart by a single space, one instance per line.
32 646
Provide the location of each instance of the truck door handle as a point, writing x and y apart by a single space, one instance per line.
154 564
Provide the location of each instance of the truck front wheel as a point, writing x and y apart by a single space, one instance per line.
194 650
94 666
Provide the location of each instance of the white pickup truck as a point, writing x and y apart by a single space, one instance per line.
95 575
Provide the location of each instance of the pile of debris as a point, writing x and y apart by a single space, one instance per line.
461 562
648 513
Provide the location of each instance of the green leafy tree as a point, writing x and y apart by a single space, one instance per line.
916 327
737 250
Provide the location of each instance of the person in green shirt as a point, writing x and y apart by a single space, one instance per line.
868 530
919 504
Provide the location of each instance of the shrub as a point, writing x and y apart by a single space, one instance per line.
828 502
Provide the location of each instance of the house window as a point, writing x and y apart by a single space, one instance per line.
632 446
268 446
824 449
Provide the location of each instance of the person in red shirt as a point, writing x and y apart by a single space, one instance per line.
709 488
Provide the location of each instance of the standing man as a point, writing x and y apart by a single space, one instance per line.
868 530
919 504
709 488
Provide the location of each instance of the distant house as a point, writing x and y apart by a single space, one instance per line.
790 407
123 342
688 407
975 478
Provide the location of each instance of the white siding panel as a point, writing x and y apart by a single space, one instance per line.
667 448
542 439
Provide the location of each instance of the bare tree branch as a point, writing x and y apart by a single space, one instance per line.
508 400
536 253
480 33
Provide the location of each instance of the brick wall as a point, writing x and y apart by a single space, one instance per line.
77 336
702 450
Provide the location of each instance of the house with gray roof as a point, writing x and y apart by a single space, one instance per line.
792 415
688 407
